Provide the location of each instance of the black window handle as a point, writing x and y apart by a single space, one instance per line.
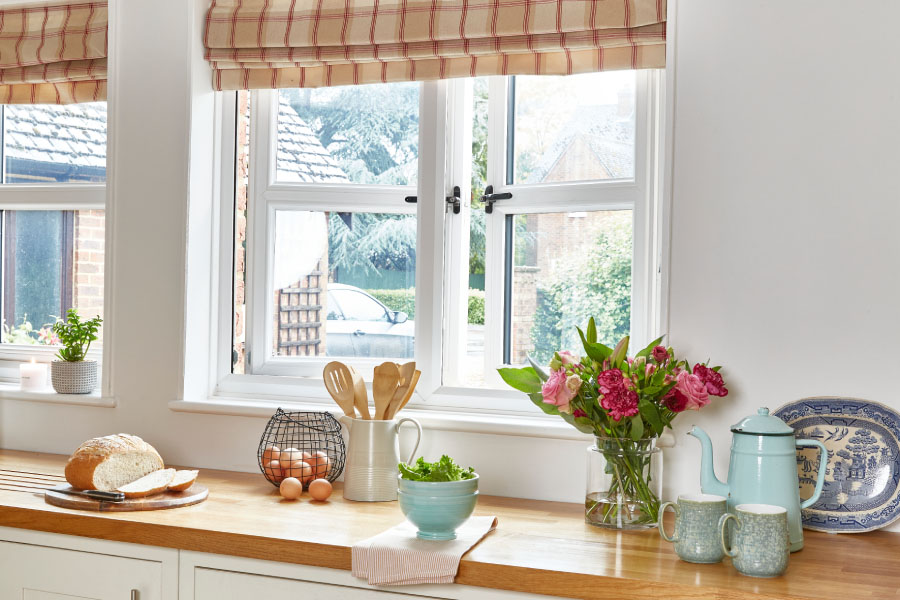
359 332
490 197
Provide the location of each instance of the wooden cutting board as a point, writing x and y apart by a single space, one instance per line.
193 495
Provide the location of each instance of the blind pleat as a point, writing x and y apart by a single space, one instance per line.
254 44
53 54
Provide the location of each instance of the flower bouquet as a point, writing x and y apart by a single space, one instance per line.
626 403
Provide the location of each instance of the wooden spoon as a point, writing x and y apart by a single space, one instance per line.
409 392
360 397
339 383
384 384
406 374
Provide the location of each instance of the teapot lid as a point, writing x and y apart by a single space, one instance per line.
762 423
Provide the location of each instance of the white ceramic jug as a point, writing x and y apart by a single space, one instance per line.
372 457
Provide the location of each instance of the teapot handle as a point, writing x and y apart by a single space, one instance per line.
823 466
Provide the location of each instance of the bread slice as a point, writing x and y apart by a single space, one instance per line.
154 483
109 462
183 480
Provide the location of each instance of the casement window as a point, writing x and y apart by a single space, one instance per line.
465 224
52 198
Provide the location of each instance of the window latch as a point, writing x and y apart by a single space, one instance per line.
411 199
490 197
454 200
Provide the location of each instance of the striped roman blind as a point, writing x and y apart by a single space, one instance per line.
255 44
53 53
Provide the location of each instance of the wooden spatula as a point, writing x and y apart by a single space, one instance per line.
384 384
409 392
339 383
406 374
360 397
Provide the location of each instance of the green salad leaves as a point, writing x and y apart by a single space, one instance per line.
442 470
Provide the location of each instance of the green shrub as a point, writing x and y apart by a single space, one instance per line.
405 300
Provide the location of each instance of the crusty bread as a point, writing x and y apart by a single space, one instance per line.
154 483
108 462
183 480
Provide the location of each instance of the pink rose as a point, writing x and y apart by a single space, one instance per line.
693 389
713 381
660 354
556 392
568 358
573 383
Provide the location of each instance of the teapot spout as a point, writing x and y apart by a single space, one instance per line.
709 483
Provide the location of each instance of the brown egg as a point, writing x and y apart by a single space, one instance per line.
290 455
291 488
319 462
274 470
300 470
271 453
320 489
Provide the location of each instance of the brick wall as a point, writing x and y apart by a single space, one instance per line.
87 266
240 227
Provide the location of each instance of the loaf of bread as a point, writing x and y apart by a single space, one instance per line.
148 485
109 462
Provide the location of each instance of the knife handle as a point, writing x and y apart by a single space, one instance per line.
108 496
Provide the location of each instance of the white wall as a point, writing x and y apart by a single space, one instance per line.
783 269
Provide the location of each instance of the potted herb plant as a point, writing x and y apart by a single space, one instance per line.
71 373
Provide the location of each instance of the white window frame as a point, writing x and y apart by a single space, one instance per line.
41 196
442 243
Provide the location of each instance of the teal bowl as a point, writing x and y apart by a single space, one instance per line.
437 508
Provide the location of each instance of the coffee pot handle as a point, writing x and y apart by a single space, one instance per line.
418 436
823 467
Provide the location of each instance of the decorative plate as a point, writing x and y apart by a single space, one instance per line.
862 483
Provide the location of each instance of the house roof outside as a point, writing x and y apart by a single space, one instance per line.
599 130
65 143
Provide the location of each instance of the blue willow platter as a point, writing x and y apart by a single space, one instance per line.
862 483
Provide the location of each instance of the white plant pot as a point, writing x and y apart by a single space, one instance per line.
73 377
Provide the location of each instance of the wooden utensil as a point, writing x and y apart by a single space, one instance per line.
409 392
406 374
384 384
360 396
339 383
60 497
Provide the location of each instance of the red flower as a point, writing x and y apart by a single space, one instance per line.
714 383
675 401
579 413
620 403
610 380
660 354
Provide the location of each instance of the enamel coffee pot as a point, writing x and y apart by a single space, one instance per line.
763 468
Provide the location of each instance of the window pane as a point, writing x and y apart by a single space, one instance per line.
574 128
52 261
359 134
566 268
46 143
344 284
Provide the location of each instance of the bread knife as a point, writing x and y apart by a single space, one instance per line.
95 494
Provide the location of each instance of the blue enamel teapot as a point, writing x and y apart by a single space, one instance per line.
763 468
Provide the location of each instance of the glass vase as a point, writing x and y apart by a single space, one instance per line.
624 481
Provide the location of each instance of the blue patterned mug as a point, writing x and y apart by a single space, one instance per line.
760 546
696 527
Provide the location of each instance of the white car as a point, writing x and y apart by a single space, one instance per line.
360 325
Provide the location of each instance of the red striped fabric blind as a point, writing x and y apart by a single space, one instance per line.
255 44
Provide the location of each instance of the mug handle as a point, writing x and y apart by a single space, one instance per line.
823 468
418 435
662 528
723 520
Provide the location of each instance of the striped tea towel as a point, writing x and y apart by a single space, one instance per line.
398 557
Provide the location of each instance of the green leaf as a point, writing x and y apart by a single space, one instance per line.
637 427
442 470
596 351
578 423
539 370
650 412
524 379
646 351
621 351
538 399
592 331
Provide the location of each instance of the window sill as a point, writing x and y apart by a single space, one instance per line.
537 426
10 391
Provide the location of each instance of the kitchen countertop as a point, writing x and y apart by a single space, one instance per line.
539 547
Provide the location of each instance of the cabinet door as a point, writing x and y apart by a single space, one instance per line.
43 573
211 584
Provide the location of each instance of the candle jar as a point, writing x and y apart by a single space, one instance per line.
33 376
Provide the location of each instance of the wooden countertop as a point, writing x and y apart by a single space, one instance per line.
539 547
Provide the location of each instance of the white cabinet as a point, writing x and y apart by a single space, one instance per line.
40 566
212 584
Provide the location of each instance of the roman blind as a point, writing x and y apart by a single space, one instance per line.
255 44
53 53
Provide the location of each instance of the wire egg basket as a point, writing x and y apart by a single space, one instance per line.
305 445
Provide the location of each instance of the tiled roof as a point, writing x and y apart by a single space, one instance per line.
47 136
301 157
610 138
